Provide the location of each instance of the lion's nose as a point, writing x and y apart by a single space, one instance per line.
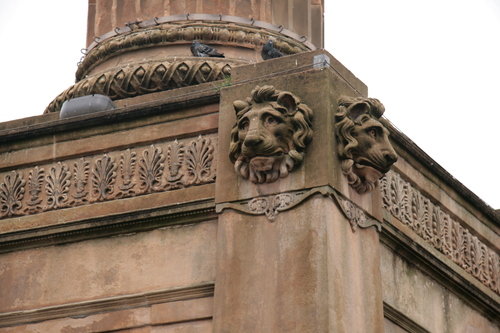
252 141
390 157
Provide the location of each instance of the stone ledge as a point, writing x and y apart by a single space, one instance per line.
32 231
86 308
401 320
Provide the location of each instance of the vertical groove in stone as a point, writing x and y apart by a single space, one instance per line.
279 9
300 17
91 21
199 6
166 8
317 23
232 6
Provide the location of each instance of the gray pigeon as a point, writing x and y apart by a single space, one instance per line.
269 52
202 50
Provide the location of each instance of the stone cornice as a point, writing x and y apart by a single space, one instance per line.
444 175
186 97
108 304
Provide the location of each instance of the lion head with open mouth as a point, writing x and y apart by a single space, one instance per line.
270 135
364 148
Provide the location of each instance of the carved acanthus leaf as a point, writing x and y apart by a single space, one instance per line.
103 178
175 159
199 161
58 181
81 177
35 184
127 169
151 168
12 193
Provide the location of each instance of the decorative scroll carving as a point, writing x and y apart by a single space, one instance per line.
355 215
363 142
35 185
103 178
57 186
139 79
81 177
12 194
151 168
273 204
270 135
191 162
199 161
440 230
270 205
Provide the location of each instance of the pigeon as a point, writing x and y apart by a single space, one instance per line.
202 50
269 52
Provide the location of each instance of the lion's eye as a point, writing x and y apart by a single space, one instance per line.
373 132
244 125
271 120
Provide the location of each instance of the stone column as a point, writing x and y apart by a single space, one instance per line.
138 47
304 17
300 253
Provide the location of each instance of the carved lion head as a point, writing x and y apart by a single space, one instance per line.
270 135
363 142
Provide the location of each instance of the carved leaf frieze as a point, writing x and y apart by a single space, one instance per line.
114 175
439 229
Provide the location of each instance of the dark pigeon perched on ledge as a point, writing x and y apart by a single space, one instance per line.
269 52
202 50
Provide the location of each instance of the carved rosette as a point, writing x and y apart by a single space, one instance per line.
440 230
111 176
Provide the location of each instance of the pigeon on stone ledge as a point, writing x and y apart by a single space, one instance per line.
202 50
269 52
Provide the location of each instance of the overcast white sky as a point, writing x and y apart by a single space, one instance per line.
434 64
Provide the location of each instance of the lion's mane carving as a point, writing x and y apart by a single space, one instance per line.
270 135
363 142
